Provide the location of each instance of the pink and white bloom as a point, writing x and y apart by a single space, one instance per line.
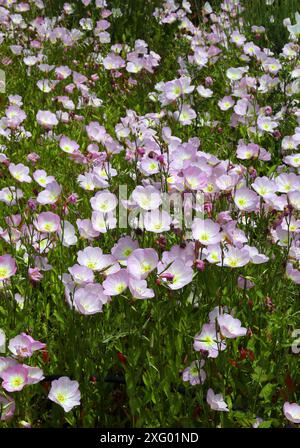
7 406
141 262
216 401
148 198
206 231
67 145
24 345
157 221
20 172
230 327
8 267
245 199
292 412
47 222
46 119
104 202
236 258
209 340
65 392
194 373
14 378
177 275
116 284
90 299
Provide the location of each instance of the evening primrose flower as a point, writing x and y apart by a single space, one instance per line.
7 407
236 258
50 195
194 373
157 221
175 276
20 172
141 262
8 267
230 327
245 199
104 202
117 283
14 378
209 340
148 198
90 299
206 231
123 248
67 145
81 274
139 289
47 222
292 410
65 392
10 195
185 115
41 177
216 401
24 345
46 119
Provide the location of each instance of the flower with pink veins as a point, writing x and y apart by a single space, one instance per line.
292 412
157 221
41 177
175 276
47 222
117 283
236 258
226 103
245 199
81 274
148 198
65 392
46 119
90 299
194 373
14 378
139 289
209 340
206 231
104 202
93 258
195 178
216 401
20 172
141 262
230 327
50 195
264 186
67 145
24 345
8 267
123 248
7 406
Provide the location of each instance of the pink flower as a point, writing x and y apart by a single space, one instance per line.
34 274
194 373
14 378
209 340
246 200
116 284
216 401
177 275
230 327
148 198
89 299
68 145
81 274
24 345
157 221
104 202
20 172
206 231
292 412
7 406
65 392
47 222
8 267
141 262
139 289
46 119
226 103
